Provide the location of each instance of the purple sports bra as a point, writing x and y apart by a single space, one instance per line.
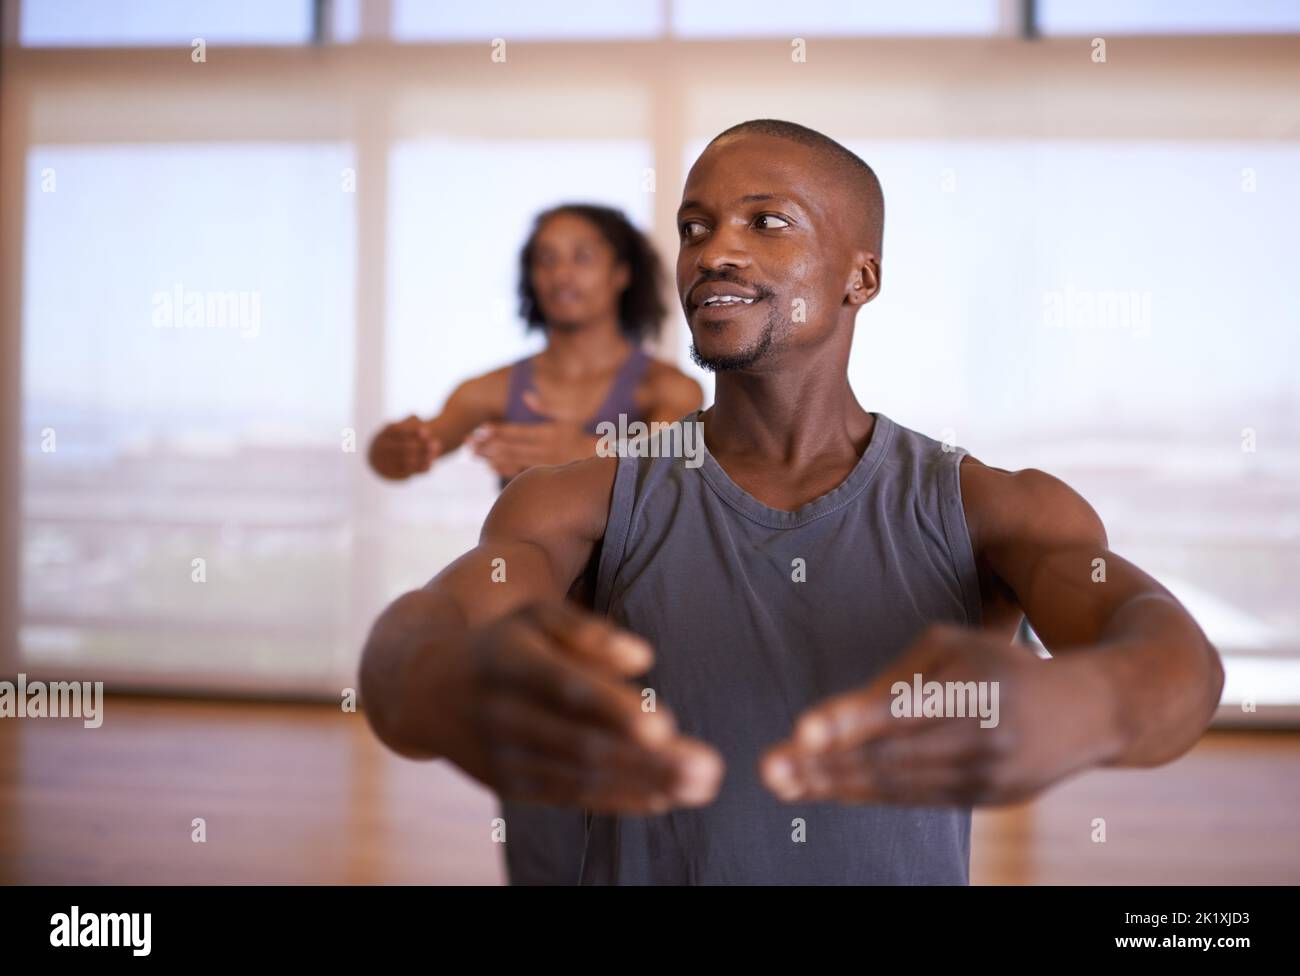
621 398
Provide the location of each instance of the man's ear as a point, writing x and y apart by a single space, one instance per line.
864 285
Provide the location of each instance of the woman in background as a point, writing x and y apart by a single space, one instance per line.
592 281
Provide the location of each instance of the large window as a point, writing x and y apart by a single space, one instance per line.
234 271
418 20
1165 17
119 23
187 378
827 18
59 23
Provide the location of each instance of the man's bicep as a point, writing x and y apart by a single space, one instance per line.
1071 592
1048 545
536 541
496 578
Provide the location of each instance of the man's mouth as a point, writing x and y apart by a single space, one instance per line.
724 294
717 301
724 307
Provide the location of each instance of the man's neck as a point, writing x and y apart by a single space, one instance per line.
787 417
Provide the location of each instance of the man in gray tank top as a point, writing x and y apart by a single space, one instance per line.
774 611
800 666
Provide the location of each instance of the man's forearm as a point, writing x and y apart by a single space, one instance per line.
413 661
1164 678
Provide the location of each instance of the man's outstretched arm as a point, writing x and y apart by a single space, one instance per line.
488 667
1096 609
1133 680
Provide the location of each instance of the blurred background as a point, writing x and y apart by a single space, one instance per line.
1089 267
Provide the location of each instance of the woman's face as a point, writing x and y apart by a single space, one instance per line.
575 273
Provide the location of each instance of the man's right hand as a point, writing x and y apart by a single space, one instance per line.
405 448
556 721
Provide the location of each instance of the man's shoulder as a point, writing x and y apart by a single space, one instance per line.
571 499
984 486
1004 506
1001 506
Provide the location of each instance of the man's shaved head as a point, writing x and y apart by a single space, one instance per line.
863 188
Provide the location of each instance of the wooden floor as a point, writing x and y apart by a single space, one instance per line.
305 794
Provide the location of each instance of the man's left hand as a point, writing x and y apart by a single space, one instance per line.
1052 718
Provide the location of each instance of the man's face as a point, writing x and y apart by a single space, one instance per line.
758 270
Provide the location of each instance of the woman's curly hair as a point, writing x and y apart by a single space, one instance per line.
641 308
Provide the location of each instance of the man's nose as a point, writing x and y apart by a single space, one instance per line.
724 249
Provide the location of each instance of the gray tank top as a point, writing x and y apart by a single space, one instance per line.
705 572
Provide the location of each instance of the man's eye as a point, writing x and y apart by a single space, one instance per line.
764 222
690 228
